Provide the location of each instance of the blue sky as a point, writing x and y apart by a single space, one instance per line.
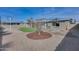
24 13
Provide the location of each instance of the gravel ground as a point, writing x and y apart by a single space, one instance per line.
15 40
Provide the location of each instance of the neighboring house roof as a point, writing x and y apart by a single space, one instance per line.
59 21
44 20
49 21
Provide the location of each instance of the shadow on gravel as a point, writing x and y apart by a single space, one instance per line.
70 41
5 46
2 33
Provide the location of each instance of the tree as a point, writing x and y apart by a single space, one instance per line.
30 22
39 26
72 21
56 23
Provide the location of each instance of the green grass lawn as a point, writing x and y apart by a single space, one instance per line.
26 29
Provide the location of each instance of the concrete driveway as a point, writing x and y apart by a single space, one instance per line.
70 41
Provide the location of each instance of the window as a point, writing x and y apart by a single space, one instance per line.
55 24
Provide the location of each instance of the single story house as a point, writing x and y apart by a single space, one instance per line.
53 25
58 24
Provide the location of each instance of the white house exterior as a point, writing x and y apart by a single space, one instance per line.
53 25
56 25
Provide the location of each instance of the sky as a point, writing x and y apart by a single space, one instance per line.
22 14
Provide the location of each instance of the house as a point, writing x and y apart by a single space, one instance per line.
52 25
55 25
